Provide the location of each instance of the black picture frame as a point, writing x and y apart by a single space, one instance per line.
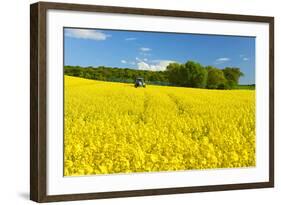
38 100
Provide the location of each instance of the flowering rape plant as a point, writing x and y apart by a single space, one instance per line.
116 128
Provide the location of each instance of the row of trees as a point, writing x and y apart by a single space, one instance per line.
190 74
117 74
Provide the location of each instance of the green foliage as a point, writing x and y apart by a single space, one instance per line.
190 74
174 73
197 75
216 79
232 76
125 75
245 87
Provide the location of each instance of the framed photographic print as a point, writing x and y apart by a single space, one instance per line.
134 102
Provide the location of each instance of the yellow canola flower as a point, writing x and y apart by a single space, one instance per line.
116 128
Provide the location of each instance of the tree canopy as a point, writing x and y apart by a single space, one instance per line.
190 74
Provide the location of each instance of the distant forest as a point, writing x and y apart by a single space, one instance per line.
189 74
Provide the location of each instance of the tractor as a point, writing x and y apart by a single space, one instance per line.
139 82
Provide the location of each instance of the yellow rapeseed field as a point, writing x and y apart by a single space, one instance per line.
116 128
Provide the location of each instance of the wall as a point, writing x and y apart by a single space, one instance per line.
14 103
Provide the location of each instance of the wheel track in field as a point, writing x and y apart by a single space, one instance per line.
142 115
181 108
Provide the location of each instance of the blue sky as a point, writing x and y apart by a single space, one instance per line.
155 50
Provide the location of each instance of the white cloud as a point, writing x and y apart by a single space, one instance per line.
244 58
86 34
154 65
222 60
143 66
128 62
144 49
141 59
144 54
130 39
138 59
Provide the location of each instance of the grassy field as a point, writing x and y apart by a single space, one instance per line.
245 87
116 128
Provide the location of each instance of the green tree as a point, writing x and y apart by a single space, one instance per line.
216 79
232 76
174 71
190 74
196 75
